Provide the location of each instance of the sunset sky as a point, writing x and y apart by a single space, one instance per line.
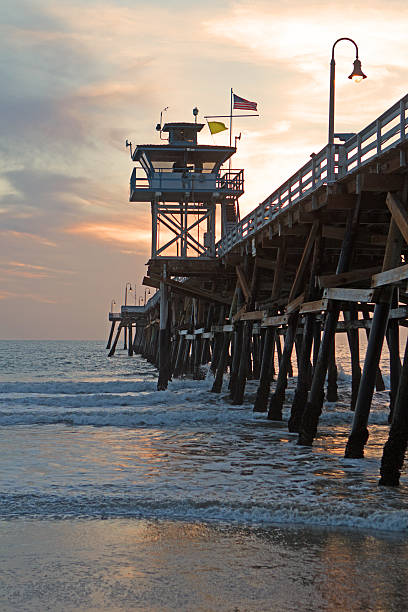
79 78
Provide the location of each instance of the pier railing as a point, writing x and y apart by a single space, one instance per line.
329 165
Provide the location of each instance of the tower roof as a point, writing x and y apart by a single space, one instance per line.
181 133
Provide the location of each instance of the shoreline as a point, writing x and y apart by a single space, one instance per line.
119 564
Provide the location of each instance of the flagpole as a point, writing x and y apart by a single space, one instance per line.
230 131
230 134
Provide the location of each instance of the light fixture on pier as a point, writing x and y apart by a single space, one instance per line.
126 291
357 75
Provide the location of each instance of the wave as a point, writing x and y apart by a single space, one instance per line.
283 512
70 387
163 415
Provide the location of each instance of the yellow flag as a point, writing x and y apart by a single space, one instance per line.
216 126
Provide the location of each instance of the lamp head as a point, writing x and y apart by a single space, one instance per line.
357 75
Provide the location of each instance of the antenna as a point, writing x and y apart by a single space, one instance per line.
159 126
129 144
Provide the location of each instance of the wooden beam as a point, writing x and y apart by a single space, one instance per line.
399 313
272 243
381 182
316 306
237 316
150 282
191 291
304 261
243 283
343 326
340 201
252 290
266 264
333 232
346 278
399 214
275 321
349 295
389 277
279 272
337 233
295 304
255 315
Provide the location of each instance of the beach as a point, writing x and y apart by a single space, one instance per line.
164 566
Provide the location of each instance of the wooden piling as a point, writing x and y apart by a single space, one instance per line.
238 389
354 346
180 355
314 405
359 433
278 397
395 448
331 394
112 329
304 375
392 336
236 356
265 378
379 381
222 363
113 349
130 343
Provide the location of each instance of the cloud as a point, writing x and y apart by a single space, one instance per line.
23 236
114 232
11 295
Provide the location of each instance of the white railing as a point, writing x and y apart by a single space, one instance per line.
183 179
386 132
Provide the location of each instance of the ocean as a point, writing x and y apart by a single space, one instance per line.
114 496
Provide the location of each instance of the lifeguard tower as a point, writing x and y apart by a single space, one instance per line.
184 182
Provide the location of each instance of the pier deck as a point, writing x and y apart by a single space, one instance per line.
325 253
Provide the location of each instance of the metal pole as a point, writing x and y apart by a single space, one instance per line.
330 169
330 160
230 134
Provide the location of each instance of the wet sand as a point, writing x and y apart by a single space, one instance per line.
164 566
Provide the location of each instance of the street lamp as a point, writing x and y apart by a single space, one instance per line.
126 290
357 75
112 303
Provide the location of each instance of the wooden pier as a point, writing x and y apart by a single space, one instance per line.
325 254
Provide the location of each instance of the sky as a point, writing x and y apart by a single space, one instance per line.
80 77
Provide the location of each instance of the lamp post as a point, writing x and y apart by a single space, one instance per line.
112 303
125 328
357 75
126 290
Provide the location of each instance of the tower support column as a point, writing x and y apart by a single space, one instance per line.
164 344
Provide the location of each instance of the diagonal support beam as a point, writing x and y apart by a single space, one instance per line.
307 251
243 283
399 214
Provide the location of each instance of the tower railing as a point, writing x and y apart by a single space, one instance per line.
187 179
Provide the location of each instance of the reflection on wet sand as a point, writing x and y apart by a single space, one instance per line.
166 566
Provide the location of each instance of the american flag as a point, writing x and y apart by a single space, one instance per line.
243 104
